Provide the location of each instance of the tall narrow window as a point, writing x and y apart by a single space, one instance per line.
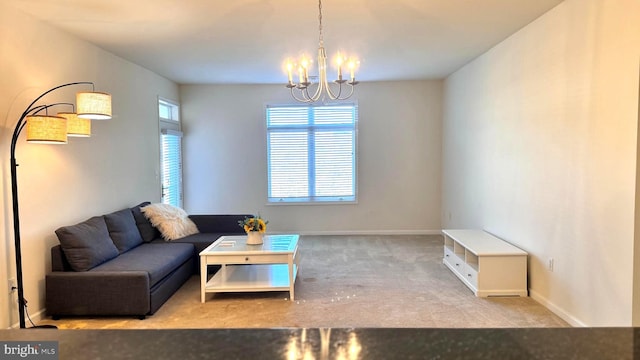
170 153
171 167
312 153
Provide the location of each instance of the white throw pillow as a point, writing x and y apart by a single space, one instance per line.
173 222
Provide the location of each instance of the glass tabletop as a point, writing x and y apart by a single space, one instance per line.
238 244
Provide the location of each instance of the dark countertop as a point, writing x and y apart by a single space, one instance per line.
384 343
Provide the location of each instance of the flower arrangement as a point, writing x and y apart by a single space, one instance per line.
255 223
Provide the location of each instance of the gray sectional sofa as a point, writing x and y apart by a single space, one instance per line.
118 264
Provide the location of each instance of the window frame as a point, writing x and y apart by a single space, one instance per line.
311 128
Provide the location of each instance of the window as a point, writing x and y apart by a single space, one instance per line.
170 153
312 153
171 167
168 111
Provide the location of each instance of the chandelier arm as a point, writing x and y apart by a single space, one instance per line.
305 94
337 97
332 95
303 100
322 73
321 86
350 92
316 95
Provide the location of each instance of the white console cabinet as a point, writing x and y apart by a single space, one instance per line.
488 265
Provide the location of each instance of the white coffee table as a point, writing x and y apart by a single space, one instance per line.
271 266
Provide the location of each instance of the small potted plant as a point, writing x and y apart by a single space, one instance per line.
255 227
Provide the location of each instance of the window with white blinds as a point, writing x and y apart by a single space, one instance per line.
170 152
171 148
312 153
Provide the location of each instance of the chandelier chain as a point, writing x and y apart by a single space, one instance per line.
320 38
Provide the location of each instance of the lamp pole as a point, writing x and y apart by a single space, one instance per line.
31 109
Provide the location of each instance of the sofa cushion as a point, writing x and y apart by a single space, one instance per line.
158 260
172 221
147 231
123 230
87 244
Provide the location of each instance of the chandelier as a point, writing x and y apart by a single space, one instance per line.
302 92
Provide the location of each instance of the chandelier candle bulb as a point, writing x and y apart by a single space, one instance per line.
289 67
352 67
305 69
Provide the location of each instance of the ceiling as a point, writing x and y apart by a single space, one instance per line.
248 41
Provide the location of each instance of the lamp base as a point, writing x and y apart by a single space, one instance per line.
44 327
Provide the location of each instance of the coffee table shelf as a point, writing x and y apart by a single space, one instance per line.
271 266
247 278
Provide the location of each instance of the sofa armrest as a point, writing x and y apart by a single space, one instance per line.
58 260
98 293
224 224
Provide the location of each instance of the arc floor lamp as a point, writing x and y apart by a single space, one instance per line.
48 129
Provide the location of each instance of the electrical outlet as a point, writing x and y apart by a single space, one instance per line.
12 285
550 264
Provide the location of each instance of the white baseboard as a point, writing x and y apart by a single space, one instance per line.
36 318
362 232
556 309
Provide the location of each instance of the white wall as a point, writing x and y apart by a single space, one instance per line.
540 138
636 249
64 184
399 158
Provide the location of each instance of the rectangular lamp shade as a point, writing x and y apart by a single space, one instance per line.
76 126
45 129
93 105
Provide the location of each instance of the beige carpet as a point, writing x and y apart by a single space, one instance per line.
346 281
